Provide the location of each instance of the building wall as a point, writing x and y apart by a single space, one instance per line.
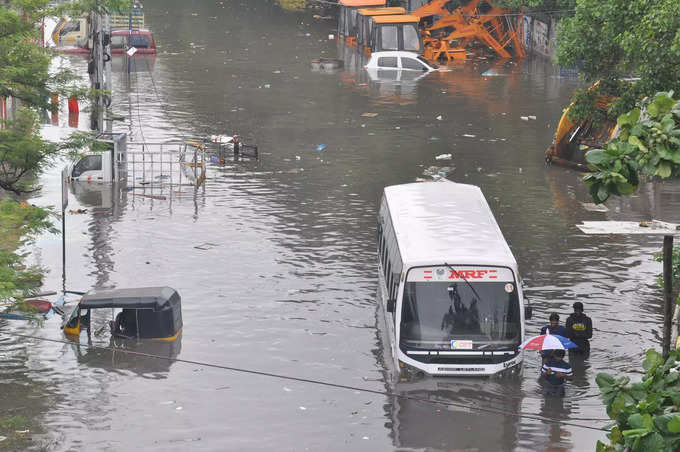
539 36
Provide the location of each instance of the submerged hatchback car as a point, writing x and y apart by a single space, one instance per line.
399 61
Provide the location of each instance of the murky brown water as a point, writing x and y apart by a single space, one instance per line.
289 285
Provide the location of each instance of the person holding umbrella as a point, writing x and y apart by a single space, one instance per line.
555 371
553 328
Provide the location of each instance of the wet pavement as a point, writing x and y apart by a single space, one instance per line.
275 260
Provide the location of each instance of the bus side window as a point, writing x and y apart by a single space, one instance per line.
384 257
388 275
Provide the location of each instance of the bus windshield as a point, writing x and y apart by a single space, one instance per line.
450 315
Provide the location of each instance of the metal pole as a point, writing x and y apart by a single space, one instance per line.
107 68
667 293
63 248
129 38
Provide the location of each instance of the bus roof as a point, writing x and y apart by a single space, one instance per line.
362 2
381 11
437 222
396 19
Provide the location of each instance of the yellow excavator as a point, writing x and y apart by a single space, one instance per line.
574 138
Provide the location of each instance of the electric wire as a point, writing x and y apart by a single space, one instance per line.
326 383
158 97
139 116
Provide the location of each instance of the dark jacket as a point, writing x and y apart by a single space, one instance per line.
580 329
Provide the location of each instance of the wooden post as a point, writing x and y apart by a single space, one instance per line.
667 293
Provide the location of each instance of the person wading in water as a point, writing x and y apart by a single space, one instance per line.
579 330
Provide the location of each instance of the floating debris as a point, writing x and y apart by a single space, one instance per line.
161 197
469 135
443 157
206 246
369 115
591 207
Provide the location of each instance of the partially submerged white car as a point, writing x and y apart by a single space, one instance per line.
399 61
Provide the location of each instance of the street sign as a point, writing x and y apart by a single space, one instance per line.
131 51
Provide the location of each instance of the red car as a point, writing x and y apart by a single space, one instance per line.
141 39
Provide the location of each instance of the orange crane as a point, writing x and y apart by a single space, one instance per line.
456 23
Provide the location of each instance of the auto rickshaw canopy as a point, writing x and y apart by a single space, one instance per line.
147 312
156 298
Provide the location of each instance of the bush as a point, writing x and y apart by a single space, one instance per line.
646 413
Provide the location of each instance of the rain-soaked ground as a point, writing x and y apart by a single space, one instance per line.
275 260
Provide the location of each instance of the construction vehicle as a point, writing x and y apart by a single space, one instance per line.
449 26
347 17
392 33
363 28
574 138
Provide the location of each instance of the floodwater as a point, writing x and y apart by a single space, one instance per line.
275 260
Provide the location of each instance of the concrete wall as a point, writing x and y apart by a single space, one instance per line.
539 36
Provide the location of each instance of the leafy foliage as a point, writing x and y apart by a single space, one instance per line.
648 144
612 40
25 75
645 413
23 153
19 222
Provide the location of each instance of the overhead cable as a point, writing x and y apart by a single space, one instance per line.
328 384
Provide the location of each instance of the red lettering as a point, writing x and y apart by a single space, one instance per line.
472 274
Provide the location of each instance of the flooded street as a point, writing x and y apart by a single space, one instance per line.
276 264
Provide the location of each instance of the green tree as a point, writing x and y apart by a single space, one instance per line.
25 76
648 144
611 40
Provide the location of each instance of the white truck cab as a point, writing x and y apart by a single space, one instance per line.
105 166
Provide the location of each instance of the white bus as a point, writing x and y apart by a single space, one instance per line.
450 290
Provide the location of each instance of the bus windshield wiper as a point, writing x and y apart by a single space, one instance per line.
464 279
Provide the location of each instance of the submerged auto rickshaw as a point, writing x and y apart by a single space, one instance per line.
143 313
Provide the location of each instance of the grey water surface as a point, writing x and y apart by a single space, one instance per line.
275 260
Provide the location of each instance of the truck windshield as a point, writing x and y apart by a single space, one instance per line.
450 315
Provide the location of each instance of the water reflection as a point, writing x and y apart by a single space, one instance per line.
134 64
558 438
430 415
129 355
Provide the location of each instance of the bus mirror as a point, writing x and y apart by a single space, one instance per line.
391 304
528 311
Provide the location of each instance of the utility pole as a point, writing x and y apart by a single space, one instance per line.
99 67
107 68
